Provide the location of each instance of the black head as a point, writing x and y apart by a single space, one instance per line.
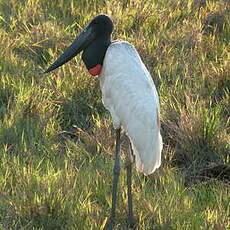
93 41
102 24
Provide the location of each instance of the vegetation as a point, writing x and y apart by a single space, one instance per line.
56 138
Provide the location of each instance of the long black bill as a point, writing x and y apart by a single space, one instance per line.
79 44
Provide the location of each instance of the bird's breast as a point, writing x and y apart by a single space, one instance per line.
126 85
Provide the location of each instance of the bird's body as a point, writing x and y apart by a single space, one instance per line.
128 92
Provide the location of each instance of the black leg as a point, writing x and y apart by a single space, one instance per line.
129 161
116 172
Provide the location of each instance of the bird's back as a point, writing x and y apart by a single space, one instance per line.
129 93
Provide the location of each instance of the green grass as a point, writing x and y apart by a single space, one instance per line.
57 140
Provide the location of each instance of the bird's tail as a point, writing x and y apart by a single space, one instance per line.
149 159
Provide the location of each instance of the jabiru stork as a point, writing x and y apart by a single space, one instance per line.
128 92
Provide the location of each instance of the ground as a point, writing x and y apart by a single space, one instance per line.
57 140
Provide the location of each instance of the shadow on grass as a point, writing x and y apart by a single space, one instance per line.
47 222
84 104
38 55
21 135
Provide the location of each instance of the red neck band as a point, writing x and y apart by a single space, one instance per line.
96 70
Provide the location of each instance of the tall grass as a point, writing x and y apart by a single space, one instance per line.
56 138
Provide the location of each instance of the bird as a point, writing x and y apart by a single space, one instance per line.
128 93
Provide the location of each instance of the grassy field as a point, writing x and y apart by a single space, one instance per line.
57 140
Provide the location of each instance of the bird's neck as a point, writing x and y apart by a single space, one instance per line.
94 54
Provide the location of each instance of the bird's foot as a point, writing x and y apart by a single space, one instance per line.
131 223
109 224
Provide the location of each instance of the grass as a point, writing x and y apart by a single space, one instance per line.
57 140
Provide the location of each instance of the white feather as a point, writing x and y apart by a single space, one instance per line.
129 93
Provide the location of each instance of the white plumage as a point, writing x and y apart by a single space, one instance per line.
128 92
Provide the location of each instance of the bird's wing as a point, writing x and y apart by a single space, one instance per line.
129 93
